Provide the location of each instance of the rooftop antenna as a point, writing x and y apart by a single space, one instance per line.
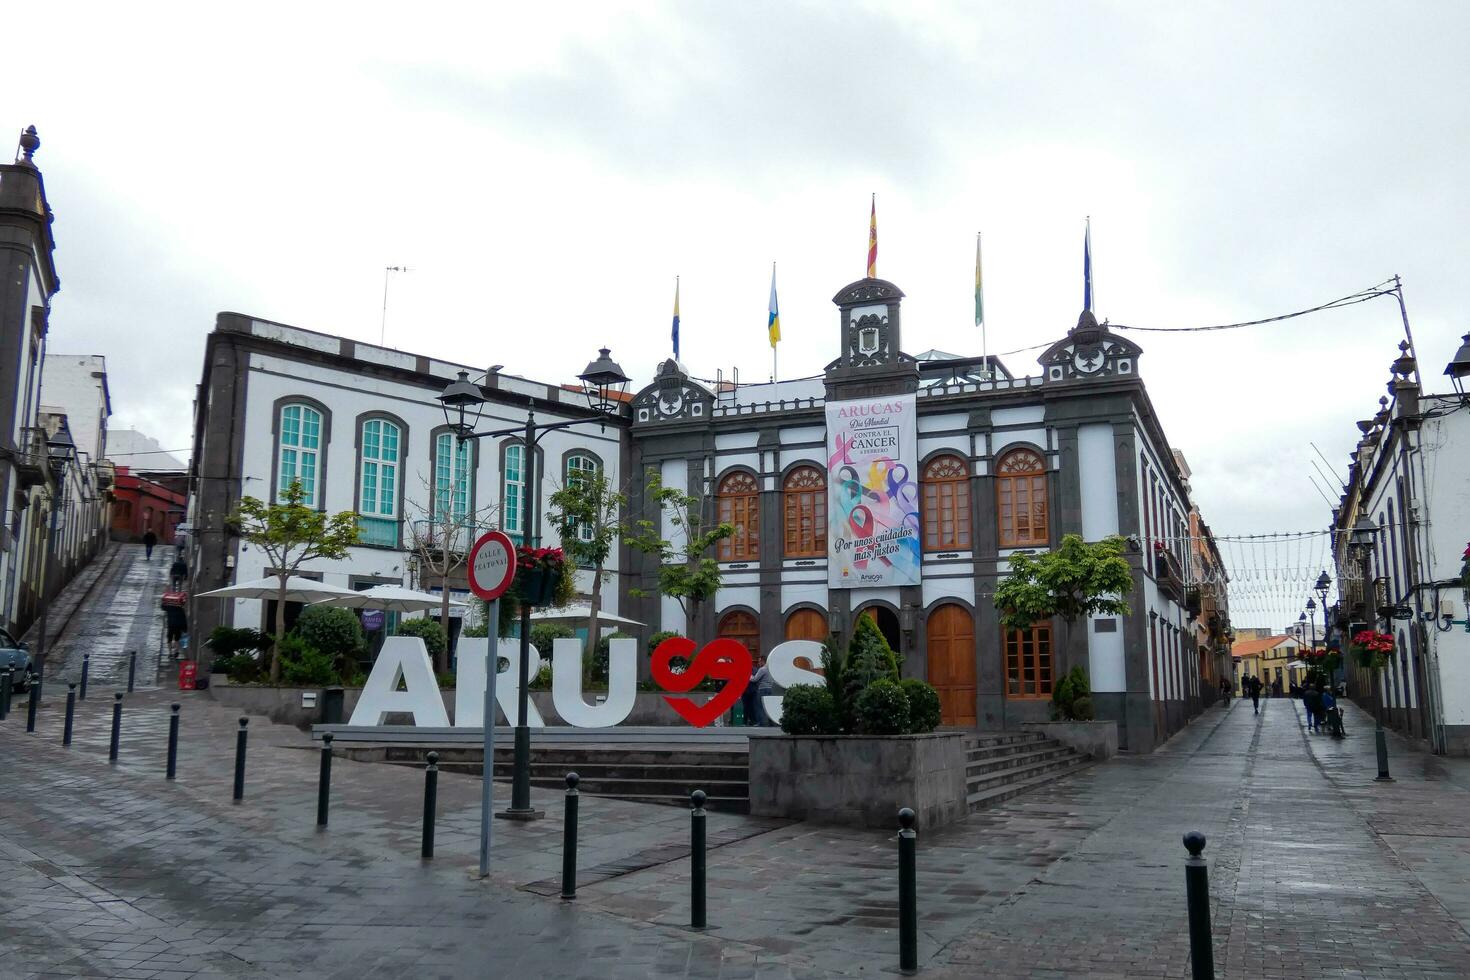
383 327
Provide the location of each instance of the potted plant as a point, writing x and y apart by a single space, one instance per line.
540 573
1372 649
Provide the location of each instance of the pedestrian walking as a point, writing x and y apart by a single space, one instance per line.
1312 701
1255 693
1333 712
1225 689
749 706
176 621
149 540
177 572
764 687
1276 688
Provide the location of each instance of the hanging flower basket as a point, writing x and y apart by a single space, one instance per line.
541 576
1372 649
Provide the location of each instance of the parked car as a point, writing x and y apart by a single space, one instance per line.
17 655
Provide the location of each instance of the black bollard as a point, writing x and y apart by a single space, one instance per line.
240 761
1380 746
116 727
5 682
324 781
173 741
132 668
908 893
34 703
71 710
569 841
431 798
697 917
1197 891
86 669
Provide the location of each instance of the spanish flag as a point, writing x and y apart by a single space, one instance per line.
773 322
676 318
873 239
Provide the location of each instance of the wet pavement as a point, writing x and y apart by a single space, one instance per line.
109 610
1316 868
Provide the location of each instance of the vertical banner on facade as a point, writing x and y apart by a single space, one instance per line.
872 493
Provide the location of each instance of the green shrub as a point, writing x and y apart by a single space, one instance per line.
335 632
882 709
226 641
242 667
1071 699
427 630
924 714
542 680
596 670
303 665
809 710
447 680
542 635
869 659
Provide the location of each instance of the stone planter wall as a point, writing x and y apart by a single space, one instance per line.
1094 739
859 780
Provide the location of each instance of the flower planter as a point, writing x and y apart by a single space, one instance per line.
859 780
536 586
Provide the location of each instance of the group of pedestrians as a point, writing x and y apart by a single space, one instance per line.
1321 706
752 699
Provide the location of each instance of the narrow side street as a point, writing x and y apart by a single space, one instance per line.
107 612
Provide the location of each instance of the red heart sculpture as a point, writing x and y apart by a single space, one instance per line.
723 659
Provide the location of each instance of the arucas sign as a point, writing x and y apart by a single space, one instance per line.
404 663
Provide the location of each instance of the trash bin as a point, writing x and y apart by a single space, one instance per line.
332 701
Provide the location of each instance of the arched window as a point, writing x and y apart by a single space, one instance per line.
299 448
742 626
1020 499
1028 662
739 506
451 479
946 486
513 491
378 491
805 505
579 468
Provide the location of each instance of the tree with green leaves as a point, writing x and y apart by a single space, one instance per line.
586 514
686 572
291 534
1074 581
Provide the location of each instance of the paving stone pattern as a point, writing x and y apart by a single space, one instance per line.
1316 870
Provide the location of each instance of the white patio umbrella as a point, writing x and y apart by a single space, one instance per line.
298 589
389 598
578 612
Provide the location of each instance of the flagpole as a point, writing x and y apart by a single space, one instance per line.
980 314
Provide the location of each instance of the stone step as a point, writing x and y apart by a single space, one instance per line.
989 739
1016 760
1009 749
990 795
1019 772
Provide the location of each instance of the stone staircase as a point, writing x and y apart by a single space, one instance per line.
639 773
1005 764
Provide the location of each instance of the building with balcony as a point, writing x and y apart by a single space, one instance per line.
1400 536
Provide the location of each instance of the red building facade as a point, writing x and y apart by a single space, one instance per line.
143 505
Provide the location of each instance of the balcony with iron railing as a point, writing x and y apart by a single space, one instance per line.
439 537
1168 574
379 532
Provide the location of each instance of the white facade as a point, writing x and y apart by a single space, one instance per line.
361 428
1411 480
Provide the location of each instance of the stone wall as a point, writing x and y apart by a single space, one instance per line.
859 780
1094 739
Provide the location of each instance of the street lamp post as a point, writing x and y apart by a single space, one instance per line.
1312 613
1324 583
603 382
59 450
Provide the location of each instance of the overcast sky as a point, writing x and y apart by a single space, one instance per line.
546 172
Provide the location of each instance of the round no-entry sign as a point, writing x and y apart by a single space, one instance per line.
492 565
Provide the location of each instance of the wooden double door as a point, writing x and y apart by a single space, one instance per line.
950 643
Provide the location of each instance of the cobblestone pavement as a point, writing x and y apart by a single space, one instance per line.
112 608
108 870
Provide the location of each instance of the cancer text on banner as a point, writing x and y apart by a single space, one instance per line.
873 493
